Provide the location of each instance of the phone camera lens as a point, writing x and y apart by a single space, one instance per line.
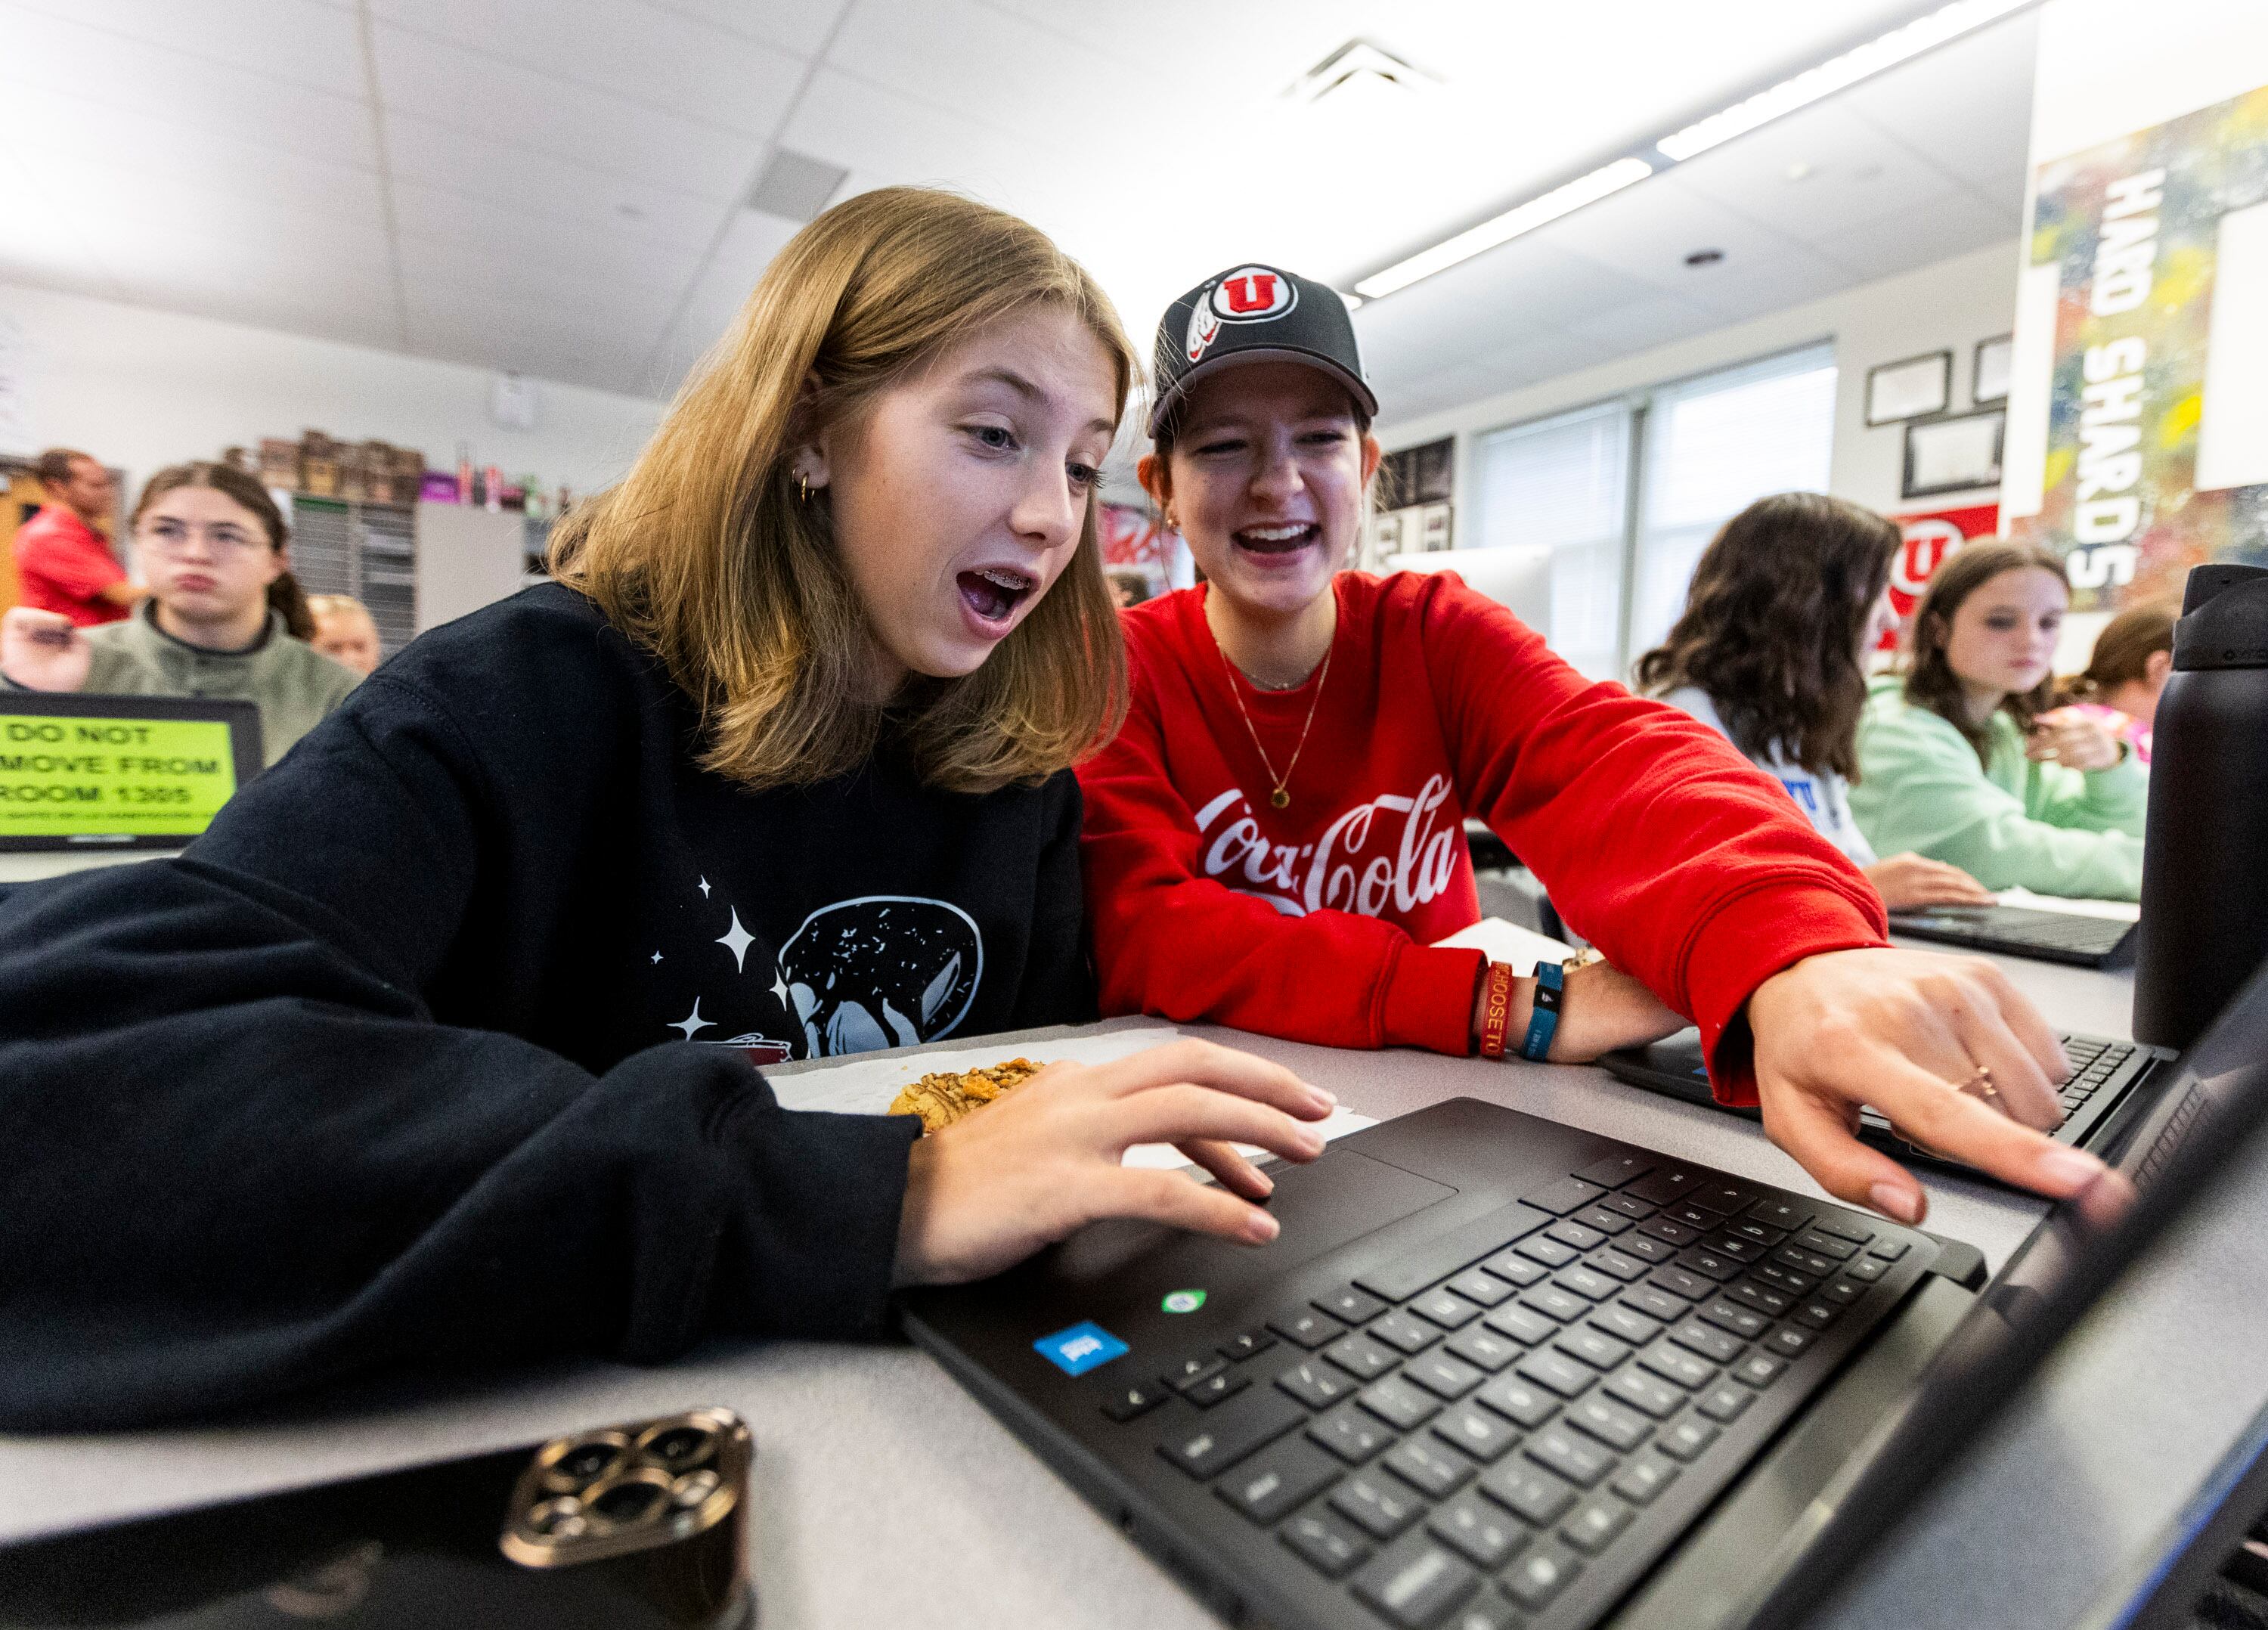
559 1519
694 1487
570 1467
629 1502
678 1449
586 1461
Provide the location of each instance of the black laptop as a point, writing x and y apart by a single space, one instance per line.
2112 1083
2020 931
1499 1372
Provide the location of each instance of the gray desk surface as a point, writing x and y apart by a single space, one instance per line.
855 1444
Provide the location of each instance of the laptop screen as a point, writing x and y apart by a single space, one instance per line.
2210 1119
134 772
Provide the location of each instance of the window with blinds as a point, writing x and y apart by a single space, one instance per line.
1561 485
1713 445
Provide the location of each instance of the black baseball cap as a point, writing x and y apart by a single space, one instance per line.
1250 312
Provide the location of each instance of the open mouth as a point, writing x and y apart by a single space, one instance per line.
1284 540
993 592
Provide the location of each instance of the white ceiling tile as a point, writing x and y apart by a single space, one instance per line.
1967 108
451 85
44 126
44 51
1644 324
1540 357
689 68
1451 387
583 295
1817 171
799 26
949 54
304 41
470 326
722 288
1897 243
1748 286
440 156
1647 231
331 315
616 252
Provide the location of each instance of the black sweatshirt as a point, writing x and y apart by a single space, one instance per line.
393 1063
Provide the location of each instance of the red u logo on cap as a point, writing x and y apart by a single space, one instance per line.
1253 294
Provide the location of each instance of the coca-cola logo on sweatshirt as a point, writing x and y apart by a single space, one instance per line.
1386 857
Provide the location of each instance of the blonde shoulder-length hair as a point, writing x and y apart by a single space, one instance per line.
707 555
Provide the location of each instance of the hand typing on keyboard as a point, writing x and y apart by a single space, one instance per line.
1903 1032
1043 1161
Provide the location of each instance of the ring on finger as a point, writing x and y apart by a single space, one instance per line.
1980 1086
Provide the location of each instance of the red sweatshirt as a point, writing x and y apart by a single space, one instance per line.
1657 840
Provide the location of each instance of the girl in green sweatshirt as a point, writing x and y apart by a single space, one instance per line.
1964 761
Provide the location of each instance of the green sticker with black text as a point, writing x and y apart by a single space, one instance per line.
63 776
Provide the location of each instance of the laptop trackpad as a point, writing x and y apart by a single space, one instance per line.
1341 1197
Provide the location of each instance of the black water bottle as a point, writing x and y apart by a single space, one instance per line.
2204 852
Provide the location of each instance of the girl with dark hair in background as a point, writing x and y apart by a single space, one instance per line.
393 1063
1275 838
2119 688
225 617
1966 760
1770 652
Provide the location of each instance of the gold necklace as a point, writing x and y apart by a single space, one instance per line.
1277 797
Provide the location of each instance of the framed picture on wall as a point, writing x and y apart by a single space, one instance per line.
1991 376
1910 389
1953 454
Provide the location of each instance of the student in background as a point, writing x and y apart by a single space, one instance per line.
345 632
225 618
1275 838
62 563
1128 587
439 1044
1770 651
1965 760
2120 686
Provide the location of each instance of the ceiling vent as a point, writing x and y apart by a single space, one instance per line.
1359 62
795 185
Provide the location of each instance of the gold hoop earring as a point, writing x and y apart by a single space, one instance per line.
802 487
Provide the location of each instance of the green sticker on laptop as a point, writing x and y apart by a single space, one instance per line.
62 776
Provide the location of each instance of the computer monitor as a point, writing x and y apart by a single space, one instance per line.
84 773
1519 577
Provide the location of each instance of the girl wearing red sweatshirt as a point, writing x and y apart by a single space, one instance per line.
1274 841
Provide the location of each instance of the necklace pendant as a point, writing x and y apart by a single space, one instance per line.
1279 799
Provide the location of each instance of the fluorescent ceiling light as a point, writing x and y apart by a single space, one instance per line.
1862 61
1525 217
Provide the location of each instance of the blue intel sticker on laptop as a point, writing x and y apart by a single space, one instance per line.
1080 1349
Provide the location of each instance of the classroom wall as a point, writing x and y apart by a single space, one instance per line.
142 388
1950 305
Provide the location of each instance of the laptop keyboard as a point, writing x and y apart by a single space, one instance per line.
1457 1437
2094 1062
2017 927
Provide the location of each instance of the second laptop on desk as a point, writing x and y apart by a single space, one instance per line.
2112 1085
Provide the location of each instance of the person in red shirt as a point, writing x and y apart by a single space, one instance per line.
62 563
1275 839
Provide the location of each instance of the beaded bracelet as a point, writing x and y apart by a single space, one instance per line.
1496 1010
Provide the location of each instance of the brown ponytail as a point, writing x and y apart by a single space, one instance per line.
2123 650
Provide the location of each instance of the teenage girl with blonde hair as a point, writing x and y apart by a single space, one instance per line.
394 1064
